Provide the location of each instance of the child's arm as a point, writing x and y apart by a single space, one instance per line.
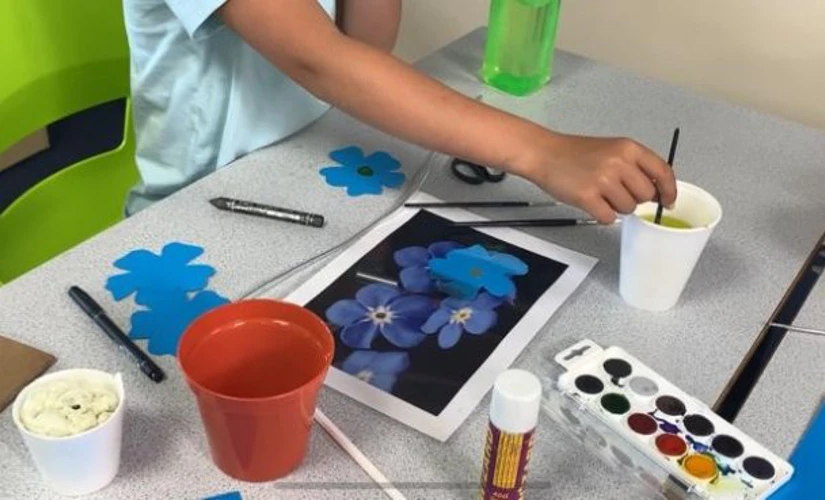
601 176
374 22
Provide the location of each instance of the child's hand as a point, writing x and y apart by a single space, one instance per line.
600 175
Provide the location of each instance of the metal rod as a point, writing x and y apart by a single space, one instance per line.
376 279
527 223
799 329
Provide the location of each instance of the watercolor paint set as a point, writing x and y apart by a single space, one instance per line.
606 444
638 420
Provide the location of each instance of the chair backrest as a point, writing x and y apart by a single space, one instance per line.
58 57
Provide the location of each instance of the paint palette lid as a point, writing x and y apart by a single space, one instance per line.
516 401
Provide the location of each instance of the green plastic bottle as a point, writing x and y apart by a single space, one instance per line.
521 36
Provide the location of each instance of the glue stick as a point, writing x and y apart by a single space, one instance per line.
514 413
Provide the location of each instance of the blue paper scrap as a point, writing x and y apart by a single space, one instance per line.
171 289
362 174
808 480
232 495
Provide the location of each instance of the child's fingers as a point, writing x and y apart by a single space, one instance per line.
620 198
661 174
639 185
599 209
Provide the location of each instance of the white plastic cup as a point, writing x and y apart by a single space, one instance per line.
657 261
83 463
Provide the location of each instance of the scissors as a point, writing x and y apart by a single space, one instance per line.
475 174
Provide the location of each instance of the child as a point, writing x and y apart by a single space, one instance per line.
215 79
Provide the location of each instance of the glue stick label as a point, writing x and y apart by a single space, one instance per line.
505 464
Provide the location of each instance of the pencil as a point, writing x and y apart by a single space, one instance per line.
527 223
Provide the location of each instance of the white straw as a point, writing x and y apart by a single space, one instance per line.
348 446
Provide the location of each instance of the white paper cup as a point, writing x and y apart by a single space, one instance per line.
657 261
83 463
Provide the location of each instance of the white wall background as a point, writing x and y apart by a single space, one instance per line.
768 54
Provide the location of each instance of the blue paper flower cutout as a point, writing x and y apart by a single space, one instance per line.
415 261
383 309
466 271
168 318
454 317
380 369
363 174
155 276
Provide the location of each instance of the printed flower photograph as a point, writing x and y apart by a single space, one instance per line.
420 313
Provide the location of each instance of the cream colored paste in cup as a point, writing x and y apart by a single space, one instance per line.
66 407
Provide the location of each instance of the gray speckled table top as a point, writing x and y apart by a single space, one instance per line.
765 171
792 387
812 314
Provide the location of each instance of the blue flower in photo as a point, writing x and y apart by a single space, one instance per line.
380 369
363 174
466 271
455 316
155 276
381 309
169 317
414 262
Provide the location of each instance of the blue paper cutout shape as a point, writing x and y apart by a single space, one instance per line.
808 480
151 276
168 318
464 272
232 495
363 174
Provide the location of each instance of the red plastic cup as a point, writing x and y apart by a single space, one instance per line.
256 367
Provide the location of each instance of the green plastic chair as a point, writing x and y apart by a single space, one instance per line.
58 57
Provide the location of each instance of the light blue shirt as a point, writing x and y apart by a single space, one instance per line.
202 97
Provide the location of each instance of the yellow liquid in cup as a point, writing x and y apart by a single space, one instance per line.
668 221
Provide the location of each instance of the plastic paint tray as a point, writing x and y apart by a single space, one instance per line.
647 428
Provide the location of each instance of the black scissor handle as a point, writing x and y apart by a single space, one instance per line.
493 175
475 174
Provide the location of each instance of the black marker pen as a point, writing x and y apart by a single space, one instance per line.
99 316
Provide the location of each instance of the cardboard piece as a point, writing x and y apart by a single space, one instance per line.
29 146
19 365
